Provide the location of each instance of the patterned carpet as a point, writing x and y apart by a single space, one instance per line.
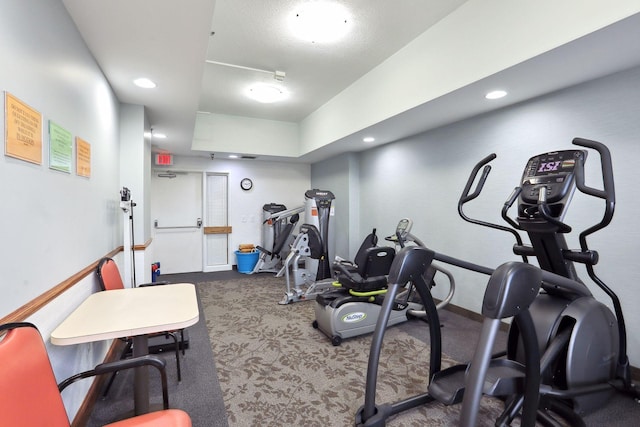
276 370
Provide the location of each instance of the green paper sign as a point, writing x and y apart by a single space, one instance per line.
60 142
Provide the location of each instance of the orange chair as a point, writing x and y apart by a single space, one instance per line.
31 397
110 279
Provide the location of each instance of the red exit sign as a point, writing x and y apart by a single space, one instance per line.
164 159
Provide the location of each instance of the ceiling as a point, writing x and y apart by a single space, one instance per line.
170 43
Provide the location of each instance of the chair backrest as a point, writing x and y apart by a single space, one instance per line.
377 262
28 389
369 242
109 275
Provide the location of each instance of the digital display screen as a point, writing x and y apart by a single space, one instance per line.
548 166
403 226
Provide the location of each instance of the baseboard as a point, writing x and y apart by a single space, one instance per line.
504 326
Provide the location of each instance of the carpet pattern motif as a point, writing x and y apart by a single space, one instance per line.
276 370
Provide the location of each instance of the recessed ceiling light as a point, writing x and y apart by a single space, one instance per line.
496 94
320 21
368 139
233 156
158 135
266 93
145 83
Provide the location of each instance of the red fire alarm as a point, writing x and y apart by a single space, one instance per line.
164 159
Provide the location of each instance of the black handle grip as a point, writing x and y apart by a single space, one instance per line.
608 193
465 197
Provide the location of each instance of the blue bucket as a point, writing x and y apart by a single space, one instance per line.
246 261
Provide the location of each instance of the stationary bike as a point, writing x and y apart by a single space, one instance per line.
352 309
566 352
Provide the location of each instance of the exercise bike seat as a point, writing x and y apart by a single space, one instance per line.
371 241
370 273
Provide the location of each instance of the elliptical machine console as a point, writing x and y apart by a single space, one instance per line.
402 231
549 178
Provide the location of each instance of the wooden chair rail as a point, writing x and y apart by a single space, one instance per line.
36 304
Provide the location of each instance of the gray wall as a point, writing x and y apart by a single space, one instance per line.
340 176
422 177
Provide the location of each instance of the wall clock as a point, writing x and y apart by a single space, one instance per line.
246 184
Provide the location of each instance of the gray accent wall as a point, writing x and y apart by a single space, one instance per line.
422 177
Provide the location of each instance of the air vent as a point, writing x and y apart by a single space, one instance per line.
248 157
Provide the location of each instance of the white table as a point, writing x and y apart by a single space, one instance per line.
131 312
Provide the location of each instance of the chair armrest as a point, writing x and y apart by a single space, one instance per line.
136 362
164 282
344 268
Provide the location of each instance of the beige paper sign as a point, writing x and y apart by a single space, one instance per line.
23 127
83 157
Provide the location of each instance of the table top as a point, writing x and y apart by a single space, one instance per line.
129 312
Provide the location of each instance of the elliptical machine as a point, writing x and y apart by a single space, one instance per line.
352 309
566 352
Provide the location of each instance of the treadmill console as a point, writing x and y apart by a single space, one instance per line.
553 173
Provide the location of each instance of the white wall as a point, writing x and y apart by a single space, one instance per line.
422 177
464 47
135 174
242 135
55 224
273 182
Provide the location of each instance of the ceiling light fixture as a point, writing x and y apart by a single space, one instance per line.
266 93
144 82
158 135
320 21
368 139
496 94
233 156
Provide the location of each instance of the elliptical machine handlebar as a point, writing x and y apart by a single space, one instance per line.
608 194
466 197
608 191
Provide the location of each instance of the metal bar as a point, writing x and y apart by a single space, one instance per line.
242 67
198 225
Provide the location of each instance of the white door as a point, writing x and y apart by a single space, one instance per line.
176 210
216 230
